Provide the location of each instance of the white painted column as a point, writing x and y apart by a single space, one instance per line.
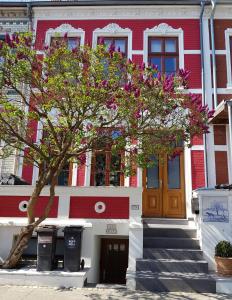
188 180
74 174
230 136
209 148
88 168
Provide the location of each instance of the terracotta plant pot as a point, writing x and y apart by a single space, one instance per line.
224 265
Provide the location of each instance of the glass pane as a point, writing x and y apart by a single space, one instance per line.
73 43
115 247
108 42
157 62
115 170
153 175
63 177
170 65
120 43
170 45
122 247
156 46
174 173
100 169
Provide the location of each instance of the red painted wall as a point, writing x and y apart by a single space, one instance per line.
9 206
84 207
198 175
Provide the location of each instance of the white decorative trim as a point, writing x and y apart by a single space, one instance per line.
197 148
137 52
62 30
23 205
88 168
228 34
226 91
229 158
189 52
114 29
74 174
188 180
219 52
129 12
99 207
164 29
220 148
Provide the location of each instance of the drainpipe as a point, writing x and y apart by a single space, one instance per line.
213 3
229 104
29 14
203 86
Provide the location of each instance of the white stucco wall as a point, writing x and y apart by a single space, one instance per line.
94 229
211 230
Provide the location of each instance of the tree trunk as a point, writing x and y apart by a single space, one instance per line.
27 231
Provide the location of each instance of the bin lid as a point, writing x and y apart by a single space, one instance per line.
46 228
73 228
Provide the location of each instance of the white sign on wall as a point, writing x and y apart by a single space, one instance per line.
215 209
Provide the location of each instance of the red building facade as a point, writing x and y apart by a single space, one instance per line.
173 37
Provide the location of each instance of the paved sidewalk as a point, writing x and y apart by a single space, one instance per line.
40 293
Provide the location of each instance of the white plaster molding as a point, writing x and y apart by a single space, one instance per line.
62 30
164 29
228 34
116 12
197 148
88 169
226 91
188 180
114 30
189 52
229 158
137 52
74 174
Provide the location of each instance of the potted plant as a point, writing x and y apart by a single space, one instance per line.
223 258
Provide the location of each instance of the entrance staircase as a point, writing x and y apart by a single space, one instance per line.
172 260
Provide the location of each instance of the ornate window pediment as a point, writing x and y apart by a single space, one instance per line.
61 30
114 30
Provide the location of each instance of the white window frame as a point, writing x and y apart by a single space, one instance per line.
63 29
228 35
164 30
114 30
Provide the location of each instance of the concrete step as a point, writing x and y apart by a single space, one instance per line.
173 282
166 221
170 232
170 243
178 254
172 265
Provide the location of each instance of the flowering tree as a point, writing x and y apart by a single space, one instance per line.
83 99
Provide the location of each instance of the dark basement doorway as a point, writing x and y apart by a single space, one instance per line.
114 260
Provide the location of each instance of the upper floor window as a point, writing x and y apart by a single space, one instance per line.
72 42
106 169
120 43
163 52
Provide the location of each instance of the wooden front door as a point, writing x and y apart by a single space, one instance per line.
164 193
114 260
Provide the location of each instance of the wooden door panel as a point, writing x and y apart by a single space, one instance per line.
174 205
152 203
173 197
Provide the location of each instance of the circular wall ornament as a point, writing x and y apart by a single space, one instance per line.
100 207
23 205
